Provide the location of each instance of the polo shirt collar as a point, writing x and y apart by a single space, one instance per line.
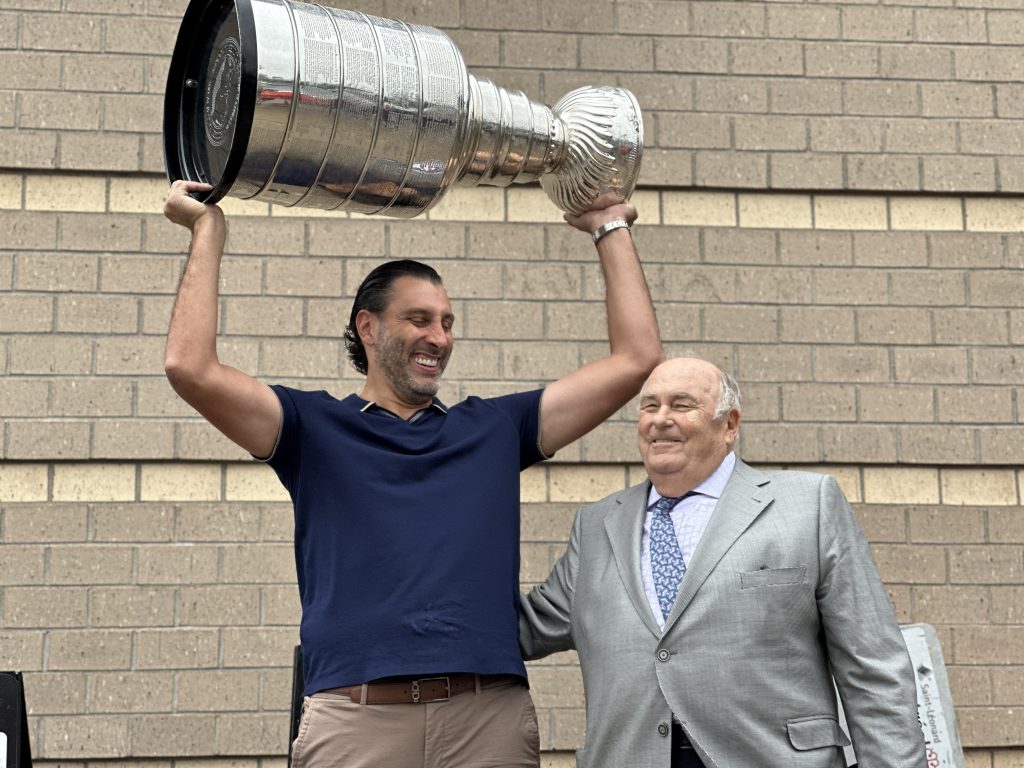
435 405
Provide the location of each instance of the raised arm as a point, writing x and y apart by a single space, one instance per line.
575 404
244 409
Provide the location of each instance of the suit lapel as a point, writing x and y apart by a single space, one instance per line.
744 498
624 526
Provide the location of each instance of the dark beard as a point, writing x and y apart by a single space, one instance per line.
393 361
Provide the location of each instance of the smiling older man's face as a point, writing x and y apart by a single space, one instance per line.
680 441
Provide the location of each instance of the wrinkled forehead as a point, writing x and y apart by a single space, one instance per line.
696 379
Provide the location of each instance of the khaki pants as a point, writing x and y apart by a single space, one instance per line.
495 727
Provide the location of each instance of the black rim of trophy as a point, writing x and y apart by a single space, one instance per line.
187 141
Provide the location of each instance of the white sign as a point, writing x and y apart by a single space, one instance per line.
934 702
3 750
938 740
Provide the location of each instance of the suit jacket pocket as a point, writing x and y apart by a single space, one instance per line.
816 732
772 577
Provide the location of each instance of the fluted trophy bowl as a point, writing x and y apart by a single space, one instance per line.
301 105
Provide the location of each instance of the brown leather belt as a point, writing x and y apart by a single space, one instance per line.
420 690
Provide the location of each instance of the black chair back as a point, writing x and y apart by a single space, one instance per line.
14 722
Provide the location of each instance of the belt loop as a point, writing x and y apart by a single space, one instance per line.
476 679
362 694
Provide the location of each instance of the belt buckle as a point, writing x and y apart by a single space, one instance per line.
416 690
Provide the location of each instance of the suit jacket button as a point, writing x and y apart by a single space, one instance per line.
663 729
664 655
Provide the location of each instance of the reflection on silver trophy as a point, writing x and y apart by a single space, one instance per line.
297 104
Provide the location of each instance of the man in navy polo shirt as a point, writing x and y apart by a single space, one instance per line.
406 510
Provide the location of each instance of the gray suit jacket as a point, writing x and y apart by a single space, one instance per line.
780 595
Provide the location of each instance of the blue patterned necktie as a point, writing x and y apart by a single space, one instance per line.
667 566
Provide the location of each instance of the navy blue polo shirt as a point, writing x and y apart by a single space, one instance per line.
406 533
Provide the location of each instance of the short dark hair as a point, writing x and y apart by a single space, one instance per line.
374 295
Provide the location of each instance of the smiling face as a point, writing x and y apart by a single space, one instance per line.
408 344
680 441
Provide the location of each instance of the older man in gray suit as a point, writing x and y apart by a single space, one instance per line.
713 605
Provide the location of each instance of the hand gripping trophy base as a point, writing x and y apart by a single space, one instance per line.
603 131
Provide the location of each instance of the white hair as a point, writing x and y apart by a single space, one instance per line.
728 395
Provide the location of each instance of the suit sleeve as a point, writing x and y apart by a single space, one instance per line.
869 658
545 613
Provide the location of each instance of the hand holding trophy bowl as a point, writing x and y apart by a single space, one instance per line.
301 105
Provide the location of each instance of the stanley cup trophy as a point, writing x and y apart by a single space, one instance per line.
301 105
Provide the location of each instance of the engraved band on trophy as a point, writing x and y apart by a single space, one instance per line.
302 105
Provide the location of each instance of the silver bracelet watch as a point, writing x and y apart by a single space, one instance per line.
608 226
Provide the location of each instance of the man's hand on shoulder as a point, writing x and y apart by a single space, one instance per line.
609 207
183 209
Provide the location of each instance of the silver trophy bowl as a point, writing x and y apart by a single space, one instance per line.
301 105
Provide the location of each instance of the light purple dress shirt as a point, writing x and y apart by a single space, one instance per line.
689 517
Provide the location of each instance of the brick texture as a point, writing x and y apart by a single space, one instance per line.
829 208
951 71
133 620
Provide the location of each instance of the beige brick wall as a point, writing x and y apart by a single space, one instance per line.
872 329
133 603
840 95
828 209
